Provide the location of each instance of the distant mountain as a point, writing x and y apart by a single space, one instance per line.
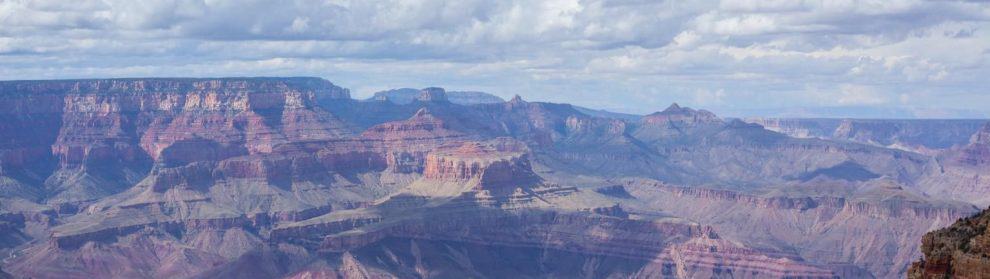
909 134
404 96
858 112
472 97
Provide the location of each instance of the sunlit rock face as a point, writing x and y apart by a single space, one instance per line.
290 177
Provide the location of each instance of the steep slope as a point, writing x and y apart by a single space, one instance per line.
961 250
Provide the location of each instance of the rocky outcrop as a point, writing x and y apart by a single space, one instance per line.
961 250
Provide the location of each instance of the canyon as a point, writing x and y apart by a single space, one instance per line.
293 178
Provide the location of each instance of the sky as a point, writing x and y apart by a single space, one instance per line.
842 58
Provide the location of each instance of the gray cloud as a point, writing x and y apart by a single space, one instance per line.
631 55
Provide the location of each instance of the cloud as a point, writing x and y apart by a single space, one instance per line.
744 54
850 94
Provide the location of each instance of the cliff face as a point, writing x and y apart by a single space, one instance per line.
289 177
961 250
102 135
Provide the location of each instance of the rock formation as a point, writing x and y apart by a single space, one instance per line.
496 166
961 250
290 177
